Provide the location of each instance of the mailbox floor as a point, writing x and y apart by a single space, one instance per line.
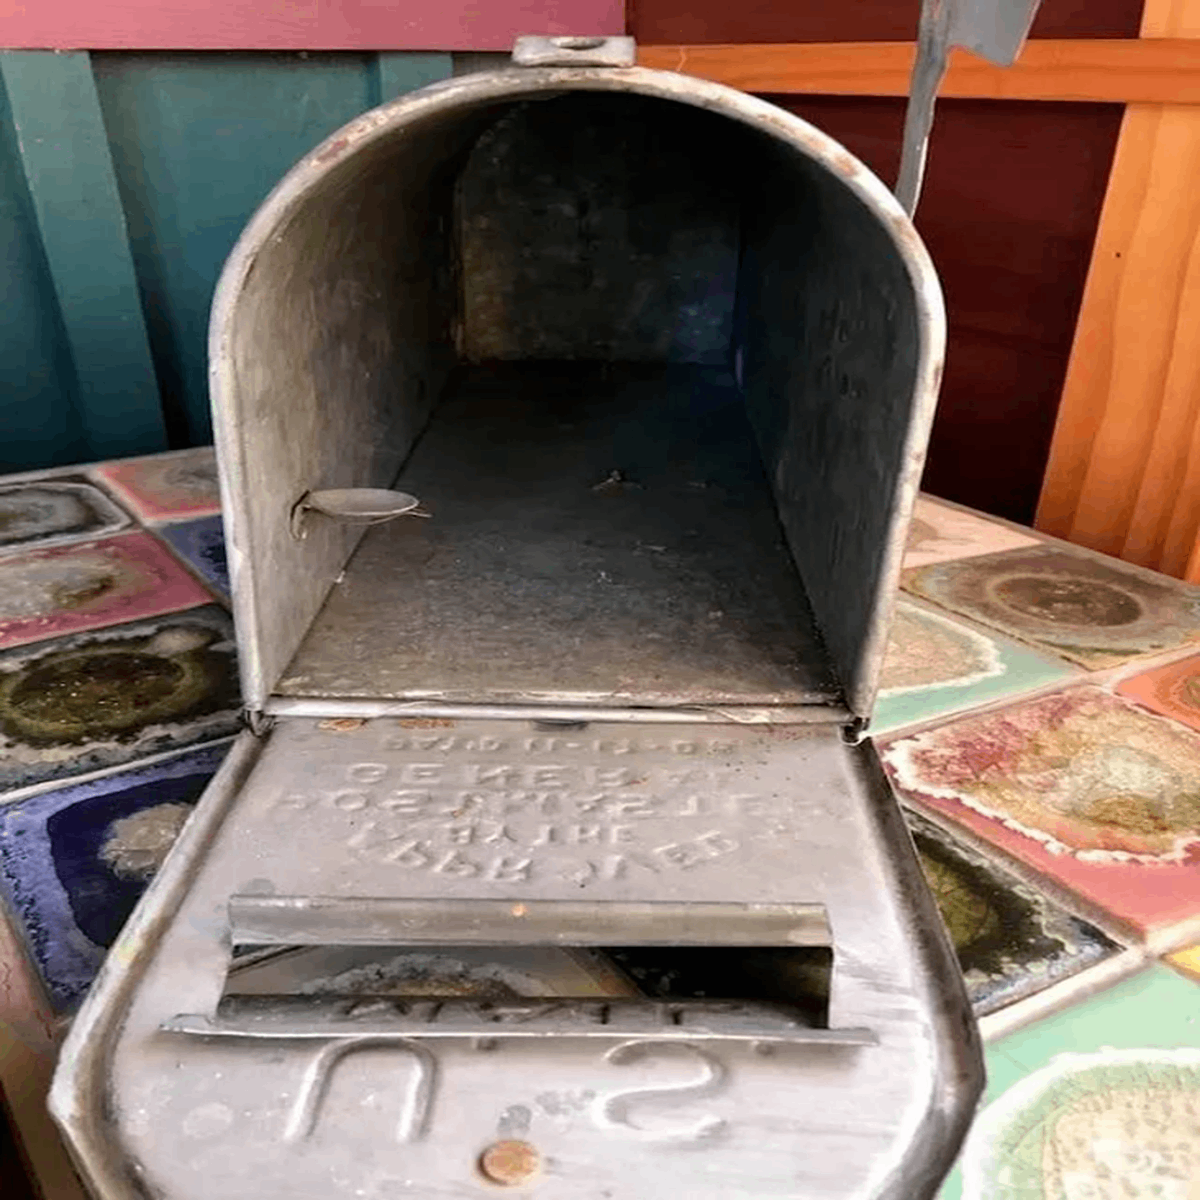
596 538
1040 719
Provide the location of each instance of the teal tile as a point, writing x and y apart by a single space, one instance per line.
937 666
1099 1101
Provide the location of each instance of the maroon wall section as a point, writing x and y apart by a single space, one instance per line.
695 21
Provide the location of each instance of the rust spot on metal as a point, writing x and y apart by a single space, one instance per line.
341 724
333 151
844 164
510 1163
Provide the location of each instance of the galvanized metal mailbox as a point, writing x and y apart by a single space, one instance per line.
569 418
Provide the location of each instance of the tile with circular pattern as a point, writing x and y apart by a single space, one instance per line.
1172 690
1096 794
93 700
1093 610
75 859
88 585
165 487
1011 941
936 666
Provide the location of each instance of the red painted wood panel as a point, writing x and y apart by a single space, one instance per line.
709 21
1009 211
296 24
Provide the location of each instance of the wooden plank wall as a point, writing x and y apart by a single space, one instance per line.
1124 470
124 181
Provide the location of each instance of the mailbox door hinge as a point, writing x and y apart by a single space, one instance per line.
257 721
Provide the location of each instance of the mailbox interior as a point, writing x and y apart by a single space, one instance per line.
660 365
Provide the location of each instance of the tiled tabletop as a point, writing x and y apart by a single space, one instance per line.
1040 719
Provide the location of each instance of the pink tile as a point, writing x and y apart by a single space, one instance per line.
89 585
166 487
1173 690
1091 791
939 533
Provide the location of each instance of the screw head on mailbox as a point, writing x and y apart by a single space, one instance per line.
555 859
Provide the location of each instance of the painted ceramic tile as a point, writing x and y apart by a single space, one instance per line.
939 533
1096 611
1187 961
201 544
166 487
44 593
1083 786
1099 1102
75 859
51 511
936 666
98 699
1173 691
1011 941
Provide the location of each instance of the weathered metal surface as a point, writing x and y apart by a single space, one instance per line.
507 811
308 1018
328 920
599 536
486 973
333 329
838 351
566 713
589 232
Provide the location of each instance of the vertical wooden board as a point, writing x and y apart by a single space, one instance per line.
1123 474
715 21
69 175
198 142
1009 211
39 424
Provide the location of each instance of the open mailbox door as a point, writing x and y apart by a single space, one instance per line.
555 859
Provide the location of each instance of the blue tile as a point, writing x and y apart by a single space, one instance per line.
70 897
201 545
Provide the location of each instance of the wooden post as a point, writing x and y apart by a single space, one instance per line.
1124 469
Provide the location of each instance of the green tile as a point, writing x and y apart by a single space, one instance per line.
1157 1009
943 666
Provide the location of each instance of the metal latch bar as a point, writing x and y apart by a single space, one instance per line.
388 921
346 1017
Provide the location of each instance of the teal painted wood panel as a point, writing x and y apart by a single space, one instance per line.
197 141
73 196
39 425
